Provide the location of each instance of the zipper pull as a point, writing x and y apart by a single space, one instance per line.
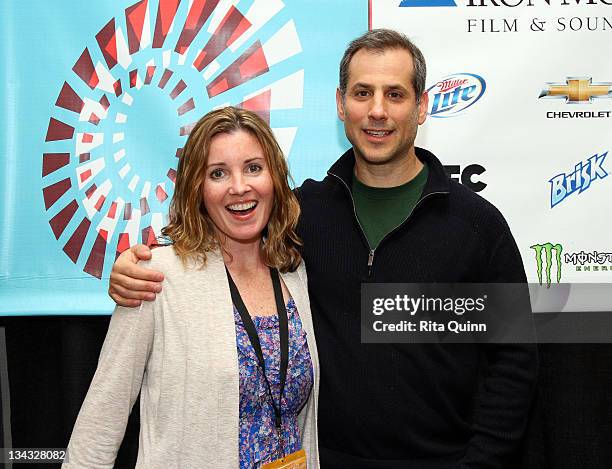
370 262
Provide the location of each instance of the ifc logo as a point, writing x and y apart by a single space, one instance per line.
453 94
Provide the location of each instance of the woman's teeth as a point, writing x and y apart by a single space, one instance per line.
242 207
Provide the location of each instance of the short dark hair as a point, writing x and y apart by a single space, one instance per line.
379 40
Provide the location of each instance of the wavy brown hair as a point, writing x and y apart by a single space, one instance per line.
190 227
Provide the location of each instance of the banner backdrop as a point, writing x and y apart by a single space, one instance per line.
520 110
98 100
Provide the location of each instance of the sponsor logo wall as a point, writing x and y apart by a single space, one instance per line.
522 89
98 100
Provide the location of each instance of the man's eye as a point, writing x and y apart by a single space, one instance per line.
395 95
216 174
362 93
254 168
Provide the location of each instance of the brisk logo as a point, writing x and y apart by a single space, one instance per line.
563 185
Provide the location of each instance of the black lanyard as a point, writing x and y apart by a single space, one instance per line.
254 338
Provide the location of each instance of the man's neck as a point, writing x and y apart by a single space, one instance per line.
391 174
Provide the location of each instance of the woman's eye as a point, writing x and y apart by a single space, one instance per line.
216 174
254 168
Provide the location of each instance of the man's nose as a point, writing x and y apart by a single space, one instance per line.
378 109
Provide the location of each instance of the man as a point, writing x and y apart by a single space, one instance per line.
387 212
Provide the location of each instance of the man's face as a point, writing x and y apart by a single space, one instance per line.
379 110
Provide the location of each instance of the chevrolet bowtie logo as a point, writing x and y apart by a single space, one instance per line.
577 90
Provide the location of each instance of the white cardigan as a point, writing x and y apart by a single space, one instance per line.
179 351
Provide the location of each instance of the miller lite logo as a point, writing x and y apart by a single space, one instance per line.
453 94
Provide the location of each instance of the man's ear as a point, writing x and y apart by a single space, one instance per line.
423 106
339 105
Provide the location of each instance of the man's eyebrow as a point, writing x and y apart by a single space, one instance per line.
361 85
397 86
392 86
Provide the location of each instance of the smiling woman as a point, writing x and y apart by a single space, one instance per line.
238 188
232 156
224 359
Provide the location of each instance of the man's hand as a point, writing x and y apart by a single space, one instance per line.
129 283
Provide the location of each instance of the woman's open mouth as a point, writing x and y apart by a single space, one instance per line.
242 208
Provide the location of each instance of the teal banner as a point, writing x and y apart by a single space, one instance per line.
98 100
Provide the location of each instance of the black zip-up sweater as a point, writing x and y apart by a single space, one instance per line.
405 405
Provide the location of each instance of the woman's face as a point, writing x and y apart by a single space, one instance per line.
238 189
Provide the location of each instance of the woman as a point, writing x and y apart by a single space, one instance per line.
209 397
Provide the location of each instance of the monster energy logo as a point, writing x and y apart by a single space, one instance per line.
547 249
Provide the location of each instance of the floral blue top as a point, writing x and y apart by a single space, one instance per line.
258 438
